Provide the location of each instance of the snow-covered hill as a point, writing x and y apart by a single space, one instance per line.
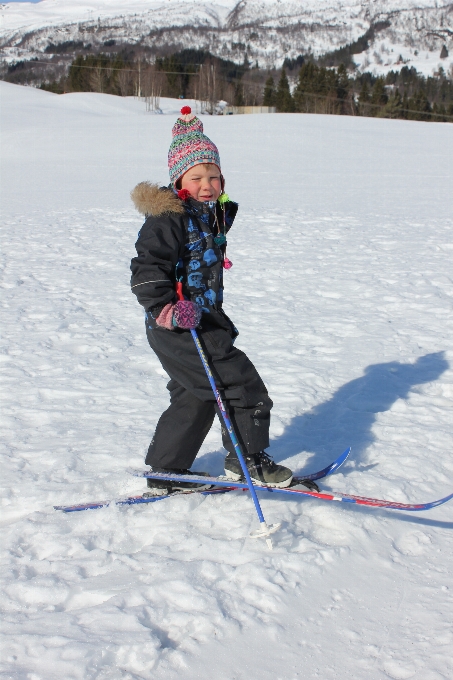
263 31
342 291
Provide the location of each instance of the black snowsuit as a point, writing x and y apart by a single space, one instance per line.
177 242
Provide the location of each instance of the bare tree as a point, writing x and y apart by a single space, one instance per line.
252 89
151 87
125 79
209 86
97 79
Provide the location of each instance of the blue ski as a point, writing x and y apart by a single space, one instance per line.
330 469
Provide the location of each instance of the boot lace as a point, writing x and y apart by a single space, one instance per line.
263 458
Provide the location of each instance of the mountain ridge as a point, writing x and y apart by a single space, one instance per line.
259 31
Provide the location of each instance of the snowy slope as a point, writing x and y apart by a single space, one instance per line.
262 30
342 292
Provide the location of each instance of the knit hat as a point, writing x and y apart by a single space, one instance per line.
190 146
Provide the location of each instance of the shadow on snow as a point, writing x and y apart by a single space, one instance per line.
348 417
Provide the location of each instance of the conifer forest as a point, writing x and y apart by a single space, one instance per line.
326 85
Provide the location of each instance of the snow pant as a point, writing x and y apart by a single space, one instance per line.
183 427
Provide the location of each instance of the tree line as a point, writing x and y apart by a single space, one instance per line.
405 94
303 85
189 73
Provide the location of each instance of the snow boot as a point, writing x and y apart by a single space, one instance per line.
162 487
262 469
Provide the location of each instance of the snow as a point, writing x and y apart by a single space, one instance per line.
386 56
342 292
271 30
56 12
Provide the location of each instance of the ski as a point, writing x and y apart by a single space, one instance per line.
329 470
358 500
135 500
325 472
337 496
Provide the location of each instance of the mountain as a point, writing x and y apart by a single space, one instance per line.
389 32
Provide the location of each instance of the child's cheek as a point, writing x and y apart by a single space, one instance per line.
192 190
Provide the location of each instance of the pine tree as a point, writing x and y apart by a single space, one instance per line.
307 87
269 92
393 108
379 96
321 90
283 100
404 112
342 82
238 95
419 107
439 110
364 99
343 87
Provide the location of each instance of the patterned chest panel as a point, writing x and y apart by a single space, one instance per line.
202 263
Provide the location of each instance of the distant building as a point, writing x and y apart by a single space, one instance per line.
229 110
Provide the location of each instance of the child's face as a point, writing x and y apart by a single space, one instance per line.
203 182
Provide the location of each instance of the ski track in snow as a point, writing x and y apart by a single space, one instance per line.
341 289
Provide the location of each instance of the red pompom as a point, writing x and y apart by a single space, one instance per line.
183 194
185 110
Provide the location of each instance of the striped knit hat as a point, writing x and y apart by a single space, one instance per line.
189 146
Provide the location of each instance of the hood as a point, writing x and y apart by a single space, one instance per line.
150 199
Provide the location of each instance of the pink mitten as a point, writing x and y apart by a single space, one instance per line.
186 314
165 318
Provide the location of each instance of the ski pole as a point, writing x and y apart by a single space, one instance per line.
265 529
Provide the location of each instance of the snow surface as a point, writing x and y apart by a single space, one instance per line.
342 291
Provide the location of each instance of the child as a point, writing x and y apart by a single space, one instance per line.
184 239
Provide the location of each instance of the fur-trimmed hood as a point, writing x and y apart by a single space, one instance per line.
150 199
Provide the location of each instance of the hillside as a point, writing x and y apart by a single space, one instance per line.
263 32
